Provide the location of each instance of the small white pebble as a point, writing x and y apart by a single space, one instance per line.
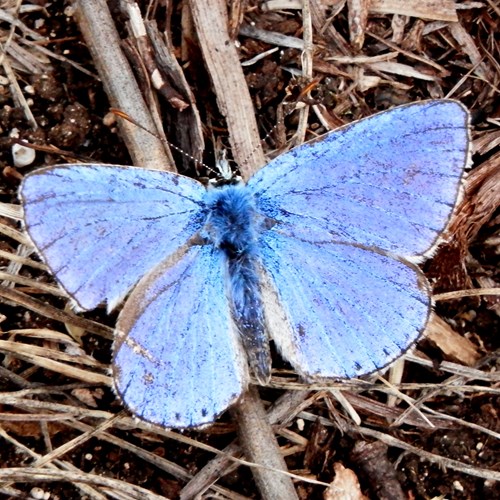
22 155
458 486
39 494
109 119
300 424
479 446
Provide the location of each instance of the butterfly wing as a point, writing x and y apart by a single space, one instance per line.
340 311
177 357
100 228
388 181
339 300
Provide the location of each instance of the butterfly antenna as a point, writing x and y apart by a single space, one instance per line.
280 121
197 162
223 162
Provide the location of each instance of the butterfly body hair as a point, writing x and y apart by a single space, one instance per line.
233 226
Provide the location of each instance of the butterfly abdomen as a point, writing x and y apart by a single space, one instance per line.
231 228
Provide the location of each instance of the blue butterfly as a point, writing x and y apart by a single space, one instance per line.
317 250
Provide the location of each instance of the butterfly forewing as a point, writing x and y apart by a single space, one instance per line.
388 181
100 228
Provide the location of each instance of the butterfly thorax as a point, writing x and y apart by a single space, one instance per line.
232 227
230 221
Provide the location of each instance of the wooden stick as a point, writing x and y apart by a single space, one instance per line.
233 97
259 443
103 41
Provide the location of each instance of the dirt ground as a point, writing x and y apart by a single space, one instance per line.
63 434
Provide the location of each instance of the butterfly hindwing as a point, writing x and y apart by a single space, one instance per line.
177 359
388 181
100 228
340 311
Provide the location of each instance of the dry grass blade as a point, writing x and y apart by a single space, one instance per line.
41 475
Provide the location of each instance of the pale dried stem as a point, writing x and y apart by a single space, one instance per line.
223 64
123 92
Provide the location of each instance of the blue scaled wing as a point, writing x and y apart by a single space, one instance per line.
340 311
177 357
388 181
348 212
100 228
